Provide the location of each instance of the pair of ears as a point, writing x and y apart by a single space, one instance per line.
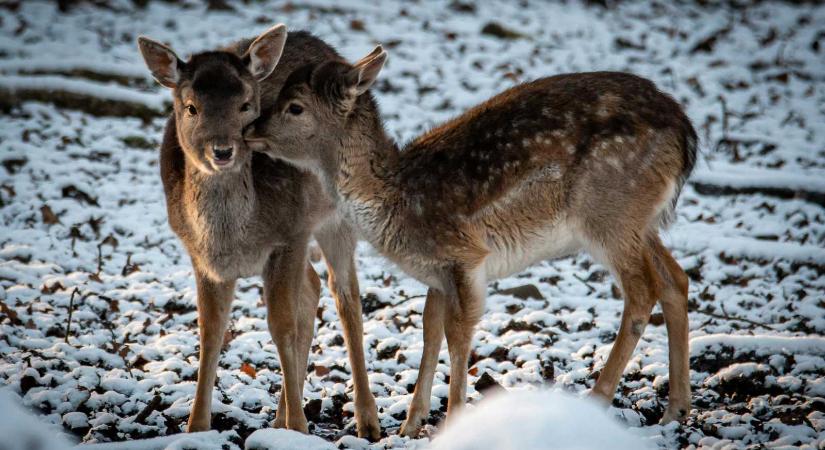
261 57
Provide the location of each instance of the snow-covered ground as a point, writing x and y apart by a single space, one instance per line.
84 230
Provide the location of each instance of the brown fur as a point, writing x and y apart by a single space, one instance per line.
573 162
255 217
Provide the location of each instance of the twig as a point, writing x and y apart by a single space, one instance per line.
584 282
727 316
71 310
99 259
152 406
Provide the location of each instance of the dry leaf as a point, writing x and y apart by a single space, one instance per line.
49 217
57 286
473 371
10 313
321 370
249 370
109 240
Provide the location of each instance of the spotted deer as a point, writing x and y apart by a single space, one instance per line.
588 161
241 214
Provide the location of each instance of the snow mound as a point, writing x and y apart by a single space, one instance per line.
19 430
206 440
524 420
761 344
280 439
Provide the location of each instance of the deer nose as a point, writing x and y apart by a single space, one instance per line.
222 154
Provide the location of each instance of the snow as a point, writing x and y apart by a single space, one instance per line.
526 420
279 439
733 175
762 344
756 261
20 430
207 440
108 91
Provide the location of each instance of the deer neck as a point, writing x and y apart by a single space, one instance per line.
219 205
366 162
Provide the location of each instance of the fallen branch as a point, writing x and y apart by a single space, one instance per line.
727 316
705 188
88 96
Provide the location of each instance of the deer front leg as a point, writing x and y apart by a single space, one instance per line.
284 281
462 314
338 242
310 296
214 304
433 337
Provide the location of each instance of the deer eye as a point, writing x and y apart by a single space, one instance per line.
190 109
295 109
246 107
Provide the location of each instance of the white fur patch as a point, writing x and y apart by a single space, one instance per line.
554 241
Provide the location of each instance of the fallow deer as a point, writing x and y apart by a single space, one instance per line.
588 161
241 214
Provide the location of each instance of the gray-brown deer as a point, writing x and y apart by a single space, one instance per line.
241 214
589 161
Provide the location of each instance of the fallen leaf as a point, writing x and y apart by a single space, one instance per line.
57 286
49 217
249 370
657 319
523 292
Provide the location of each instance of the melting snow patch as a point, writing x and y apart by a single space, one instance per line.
526 420
279 439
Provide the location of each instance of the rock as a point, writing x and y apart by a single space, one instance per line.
499 31
487 385
523 292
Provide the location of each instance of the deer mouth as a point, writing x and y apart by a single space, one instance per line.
223 162
223 158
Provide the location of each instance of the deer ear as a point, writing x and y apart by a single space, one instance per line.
161 61
364 73
265 51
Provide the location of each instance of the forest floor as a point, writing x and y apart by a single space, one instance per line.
97 302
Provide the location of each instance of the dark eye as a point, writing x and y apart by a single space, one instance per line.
246 107
190 109
295 109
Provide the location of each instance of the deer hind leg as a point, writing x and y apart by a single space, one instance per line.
291 319
434 311
634 267
214 306
674 303
463 311
338 245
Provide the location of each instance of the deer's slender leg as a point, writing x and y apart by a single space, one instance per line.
214 305
674 303
640 286
284 280
337 242
310 294
434 310
463 311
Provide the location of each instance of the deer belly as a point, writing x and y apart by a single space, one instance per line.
509 256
